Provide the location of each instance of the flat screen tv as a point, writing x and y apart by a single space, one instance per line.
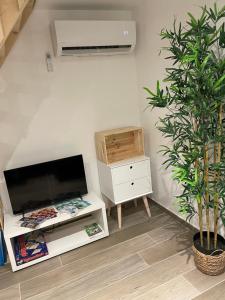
43 184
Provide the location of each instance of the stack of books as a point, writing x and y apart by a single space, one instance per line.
29 247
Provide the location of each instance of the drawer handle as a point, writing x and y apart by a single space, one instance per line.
132 183
131 167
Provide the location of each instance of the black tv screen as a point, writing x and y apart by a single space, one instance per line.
43 184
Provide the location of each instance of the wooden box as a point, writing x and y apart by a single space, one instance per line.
20 3
119 144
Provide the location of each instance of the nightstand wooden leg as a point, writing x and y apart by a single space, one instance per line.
135 202
119 214
145 200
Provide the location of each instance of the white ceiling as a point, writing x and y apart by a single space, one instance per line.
88 4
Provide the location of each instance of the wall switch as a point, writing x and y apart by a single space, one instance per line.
49 63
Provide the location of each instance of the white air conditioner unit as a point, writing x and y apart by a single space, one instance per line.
80 38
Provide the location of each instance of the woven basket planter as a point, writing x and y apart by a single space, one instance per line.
210 262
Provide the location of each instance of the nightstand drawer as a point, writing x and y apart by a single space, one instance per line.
132 189
130 172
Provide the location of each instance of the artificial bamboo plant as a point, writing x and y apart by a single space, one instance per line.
194 96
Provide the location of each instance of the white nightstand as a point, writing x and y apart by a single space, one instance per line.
126 180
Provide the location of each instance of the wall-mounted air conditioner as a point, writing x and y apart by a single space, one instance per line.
81 38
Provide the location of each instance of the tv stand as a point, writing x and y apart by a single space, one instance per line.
68 236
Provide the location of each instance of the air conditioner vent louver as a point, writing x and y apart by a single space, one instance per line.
94 49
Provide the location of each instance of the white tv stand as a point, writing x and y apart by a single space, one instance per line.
62 239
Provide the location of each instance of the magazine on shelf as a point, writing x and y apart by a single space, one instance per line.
93 229
80 203
67 206
36 218
71 206
29 247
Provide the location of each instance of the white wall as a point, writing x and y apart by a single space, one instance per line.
45 116
152 16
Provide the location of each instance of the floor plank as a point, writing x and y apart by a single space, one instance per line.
79 268
4 269
11 293
138 217
167 248
9 278
95 281
176 289
215 293
116 238
144 281
168 231
203 282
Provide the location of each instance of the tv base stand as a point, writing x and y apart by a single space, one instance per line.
68 236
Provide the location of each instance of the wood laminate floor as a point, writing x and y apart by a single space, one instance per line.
148 259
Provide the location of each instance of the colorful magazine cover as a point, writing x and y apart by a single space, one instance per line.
29 247
80 203
38 217
93 229
71 206
67 206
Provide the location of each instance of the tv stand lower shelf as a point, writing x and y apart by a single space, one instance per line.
63 233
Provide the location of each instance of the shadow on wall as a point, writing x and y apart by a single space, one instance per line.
20 99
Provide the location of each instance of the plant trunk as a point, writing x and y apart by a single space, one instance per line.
199 199
216 200
206 180
200 221
217 159
200 217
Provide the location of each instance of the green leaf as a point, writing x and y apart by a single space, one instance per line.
193 20
219 81
205 61
149 91
158 87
